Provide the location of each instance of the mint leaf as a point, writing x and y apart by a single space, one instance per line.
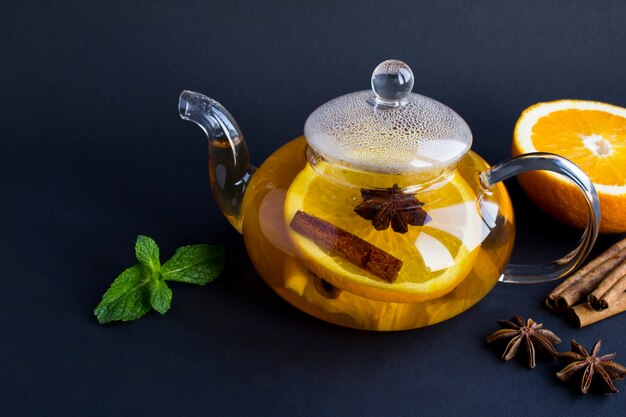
160 295
142 287
127 298
147 253
195 264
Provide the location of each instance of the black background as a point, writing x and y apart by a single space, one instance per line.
93 152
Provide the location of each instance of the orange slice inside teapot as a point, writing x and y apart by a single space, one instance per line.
435 257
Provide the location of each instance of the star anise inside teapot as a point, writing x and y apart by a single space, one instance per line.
391 206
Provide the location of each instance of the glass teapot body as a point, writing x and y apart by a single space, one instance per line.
381 218
446 265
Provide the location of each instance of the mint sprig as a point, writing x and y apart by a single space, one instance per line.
143 287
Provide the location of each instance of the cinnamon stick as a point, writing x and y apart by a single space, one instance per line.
580 284
609 289
350 247
583 314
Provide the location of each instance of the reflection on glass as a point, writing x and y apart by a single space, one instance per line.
460 220
436 256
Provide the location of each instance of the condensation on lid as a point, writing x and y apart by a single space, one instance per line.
388 129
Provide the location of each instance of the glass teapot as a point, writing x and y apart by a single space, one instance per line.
380 217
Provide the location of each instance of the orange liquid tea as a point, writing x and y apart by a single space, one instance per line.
448 264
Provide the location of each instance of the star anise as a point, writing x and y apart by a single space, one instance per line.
391 206
529 334
590 368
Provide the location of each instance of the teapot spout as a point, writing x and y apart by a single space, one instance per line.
229 164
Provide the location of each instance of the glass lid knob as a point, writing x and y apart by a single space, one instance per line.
392 82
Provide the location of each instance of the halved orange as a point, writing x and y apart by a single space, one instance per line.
436 257
593 136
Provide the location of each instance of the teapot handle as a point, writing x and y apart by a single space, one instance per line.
555 163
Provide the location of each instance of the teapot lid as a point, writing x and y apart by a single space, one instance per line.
388 129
